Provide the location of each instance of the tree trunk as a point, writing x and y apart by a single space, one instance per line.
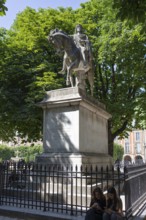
110 140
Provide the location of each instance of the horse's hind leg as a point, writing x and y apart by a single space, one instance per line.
80 80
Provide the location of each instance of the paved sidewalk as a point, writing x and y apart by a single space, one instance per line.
9 218
14 213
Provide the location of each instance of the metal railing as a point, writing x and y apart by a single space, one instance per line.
135 189
54 188
68 189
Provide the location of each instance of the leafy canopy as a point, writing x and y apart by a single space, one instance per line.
29 67
3 8
134 10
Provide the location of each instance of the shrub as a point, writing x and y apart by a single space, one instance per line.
28 153
6 152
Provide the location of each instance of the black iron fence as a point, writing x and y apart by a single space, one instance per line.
135 188
67 189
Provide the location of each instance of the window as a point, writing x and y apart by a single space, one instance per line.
138 148
137 136
126 148
127 140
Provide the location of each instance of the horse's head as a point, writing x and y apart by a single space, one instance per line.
53 39
60 39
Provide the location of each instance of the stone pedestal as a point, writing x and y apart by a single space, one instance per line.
75 129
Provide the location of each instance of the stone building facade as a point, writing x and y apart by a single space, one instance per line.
134 146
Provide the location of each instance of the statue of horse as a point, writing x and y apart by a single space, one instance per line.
73 61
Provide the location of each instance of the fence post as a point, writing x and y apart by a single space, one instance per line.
127 191
45 182
71 190
81 188
119 180
1 182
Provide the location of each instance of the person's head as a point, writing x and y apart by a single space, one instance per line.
97 193
78 28
111 193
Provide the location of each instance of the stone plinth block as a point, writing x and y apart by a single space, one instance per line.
75 128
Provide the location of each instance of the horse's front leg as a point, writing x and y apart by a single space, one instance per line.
71 79
68 77
67 80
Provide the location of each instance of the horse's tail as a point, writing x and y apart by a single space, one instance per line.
90 76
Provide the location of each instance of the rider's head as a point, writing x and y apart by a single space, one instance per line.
78 28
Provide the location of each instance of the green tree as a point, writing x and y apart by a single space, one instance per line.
118 152
119 53
3 8
28 69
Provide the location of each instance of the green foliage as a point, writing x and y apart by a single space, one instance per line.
28 153
27 71
118 152
29 66
134 10
3 8
6 152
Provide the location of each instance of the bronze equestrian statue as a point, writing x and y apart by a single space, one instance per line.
77 60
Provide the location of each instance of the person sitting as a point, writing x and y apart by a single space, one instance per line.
114 207
97 205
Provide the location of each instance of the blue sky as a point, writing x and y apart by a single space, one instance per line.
16 6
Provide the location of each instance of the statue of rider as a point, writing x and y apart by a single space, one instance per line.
82 42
